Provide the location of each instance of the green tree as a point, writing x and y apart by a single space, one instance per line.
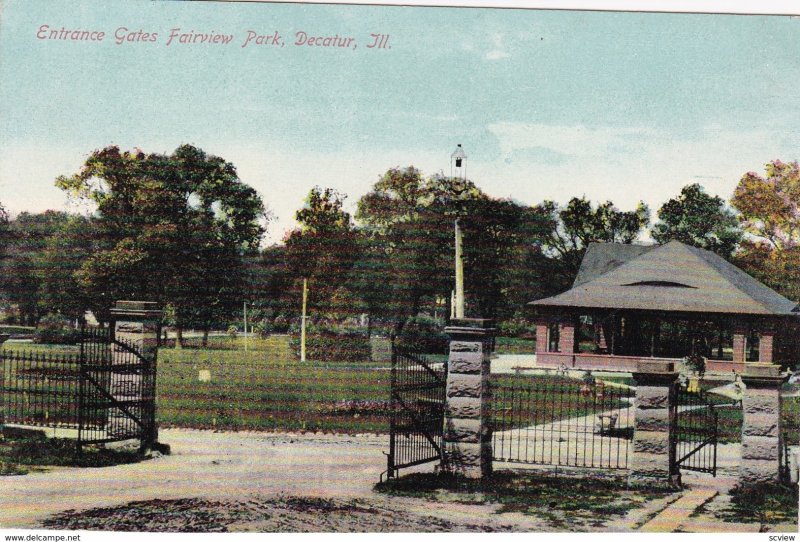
409 220
572 227
769 208
324 248
27 266
700 220
171 228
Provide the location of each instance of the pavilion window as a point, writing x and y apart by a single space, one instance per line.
587 333
721 341
553 336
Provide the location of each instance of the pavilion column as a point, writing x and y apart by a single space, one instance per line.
765 345
761 429
653 449
739 340
542 329
566 336
467 437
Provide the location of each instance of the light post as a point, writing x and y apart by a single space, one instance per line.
458 173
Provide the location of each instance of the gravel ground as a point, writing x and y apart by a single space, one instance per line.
288 514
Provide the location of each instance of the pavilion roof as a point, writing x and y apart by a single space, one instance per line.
671 277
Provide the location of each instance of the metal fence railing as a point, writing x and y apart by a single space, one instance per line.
104 392
559 421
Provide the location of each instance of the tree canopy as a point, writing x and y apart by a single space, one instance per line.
700 220
171 228
770 216
571 228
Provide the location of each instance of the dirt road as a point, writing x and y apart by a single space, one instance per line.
240 482
204 464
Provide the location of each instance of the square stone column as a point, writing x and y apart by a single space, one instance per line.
766 346
566 336
761 412
739 342
136 324
3 338
542 330
653 451
467 436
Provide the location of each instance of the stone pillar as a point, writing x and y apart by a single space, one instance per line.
566 336
542 330
467 438
653 453
136 323
3 338
739 338
761 410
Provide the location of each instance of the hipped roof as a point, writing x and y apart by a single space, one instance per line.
673 277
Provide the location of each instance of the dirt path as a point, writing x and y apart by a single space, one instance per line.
205 464
240 482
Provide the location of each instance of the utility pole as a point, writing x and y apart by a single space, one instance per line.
245 326
303 322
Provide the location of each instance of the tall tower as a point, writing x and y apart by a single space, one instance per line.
458 164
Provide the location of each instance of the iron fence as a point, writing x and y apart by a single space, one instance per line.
693 444
559 421
104 392
417 410
40 389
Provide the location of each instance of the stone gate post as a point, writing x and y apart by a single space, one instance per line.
761 412
3 338
653 451
135 323
467 438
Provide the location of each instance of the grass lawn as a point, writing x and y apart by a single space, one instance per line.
563 502
514 345
764 503
267 388
538 399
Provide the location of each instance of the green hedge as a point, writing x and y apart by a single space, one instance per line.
335 346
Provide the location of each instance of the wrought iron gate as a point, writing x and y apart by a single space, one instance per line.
693 444
117 390
105 392
559 421
417 410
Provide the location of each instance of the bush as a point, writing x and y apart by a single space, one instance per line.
233 331
514 327
423 334
263 328
53 329
280 324
331 345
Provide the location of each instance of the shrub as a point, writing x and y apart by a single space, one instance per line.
335 345
263 328
53 329
423 334
280 324
233 331
514 327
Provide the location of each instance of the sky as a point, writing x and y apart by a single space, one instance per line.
547 104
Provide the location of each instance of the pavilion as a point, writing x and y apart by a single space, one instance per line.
634 302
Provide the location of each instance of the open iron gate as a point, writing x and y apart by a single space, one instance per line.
693 445
117 390
104 392
417 410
